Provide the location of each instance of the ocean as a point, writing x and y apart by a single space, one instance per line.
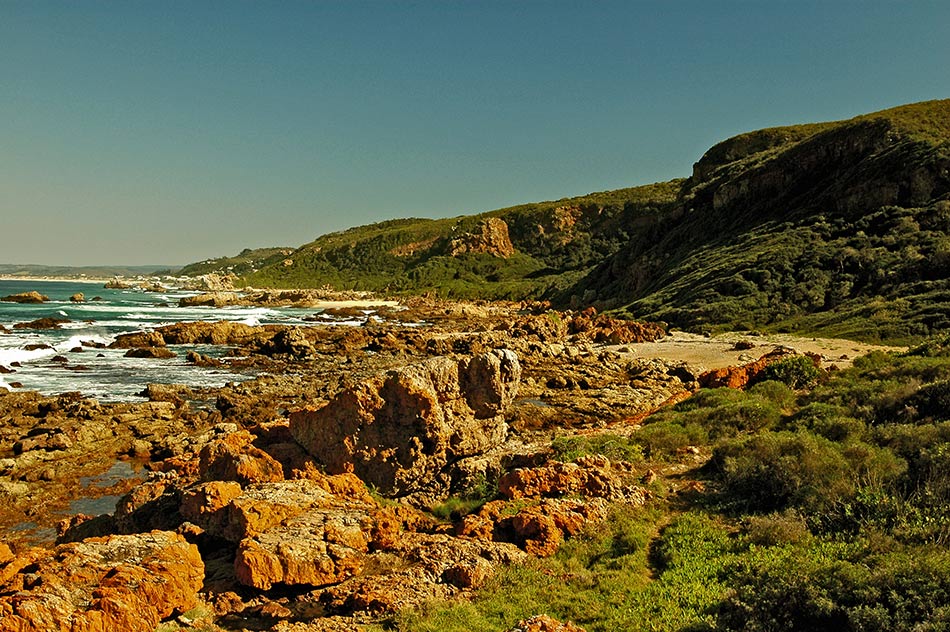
105 373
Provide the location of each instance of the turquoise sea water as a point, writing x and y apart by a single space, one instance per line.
105 373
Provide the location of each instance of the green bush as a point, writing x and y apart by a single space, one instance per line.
613 446
774 471
796 372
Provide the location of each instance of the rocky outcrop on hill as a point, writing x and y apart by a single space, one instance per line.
399 432
26 297
489 237
128 583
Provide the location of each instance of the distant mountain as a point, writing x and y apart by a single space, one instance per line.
34 270
836 228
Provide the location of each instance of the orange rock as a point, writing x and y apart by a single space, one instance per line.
233 457
544 623
317 548
740 376
128 583
206 504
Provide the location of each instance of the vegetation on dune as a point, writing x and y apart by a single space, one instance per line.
823 508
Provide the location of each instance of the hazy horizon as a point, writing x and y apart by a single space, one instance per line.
138 131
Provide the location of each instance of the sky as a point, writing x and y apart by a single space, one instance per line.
168 132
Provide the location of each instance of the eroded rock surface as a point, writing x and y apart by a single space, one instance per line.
128 583
400 431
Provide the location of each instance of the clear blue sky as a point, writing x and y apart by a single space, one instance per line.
167 132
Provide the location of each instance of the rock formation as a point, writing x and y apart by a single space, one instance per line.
26 297
400 431
128 583
489 237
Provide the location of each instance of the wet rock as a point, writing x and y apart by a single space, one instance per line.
156 353
210 299
26 297
42 323
128 583
78 297
399 431
5 371
290 341
117 284
138 339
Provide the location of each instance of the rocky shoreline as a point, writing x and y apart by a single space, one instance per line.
308 498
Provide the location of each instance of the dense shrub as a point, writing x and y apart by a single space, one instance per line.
796 371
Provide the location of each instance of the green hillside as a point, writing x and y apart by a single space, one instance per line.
246 262
555 244
837 228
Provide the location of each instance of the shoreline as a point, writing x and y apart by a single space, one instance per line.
4 277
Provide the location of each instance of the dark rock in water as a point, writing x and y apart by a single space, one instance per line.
150 352
4 330
76 350
93 344
42 323
60 359
26 297
15 384
16 364
78 367
291 341
78 297
5 371
201 360
97 298
33 347
100 355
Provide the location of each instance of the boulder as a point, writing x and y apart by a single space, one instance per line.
26 297
544 623
400 431
124 582
233 457
117 284
138 339
317 548
150 352
42 323
175 393
210 299
290 341
78 297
